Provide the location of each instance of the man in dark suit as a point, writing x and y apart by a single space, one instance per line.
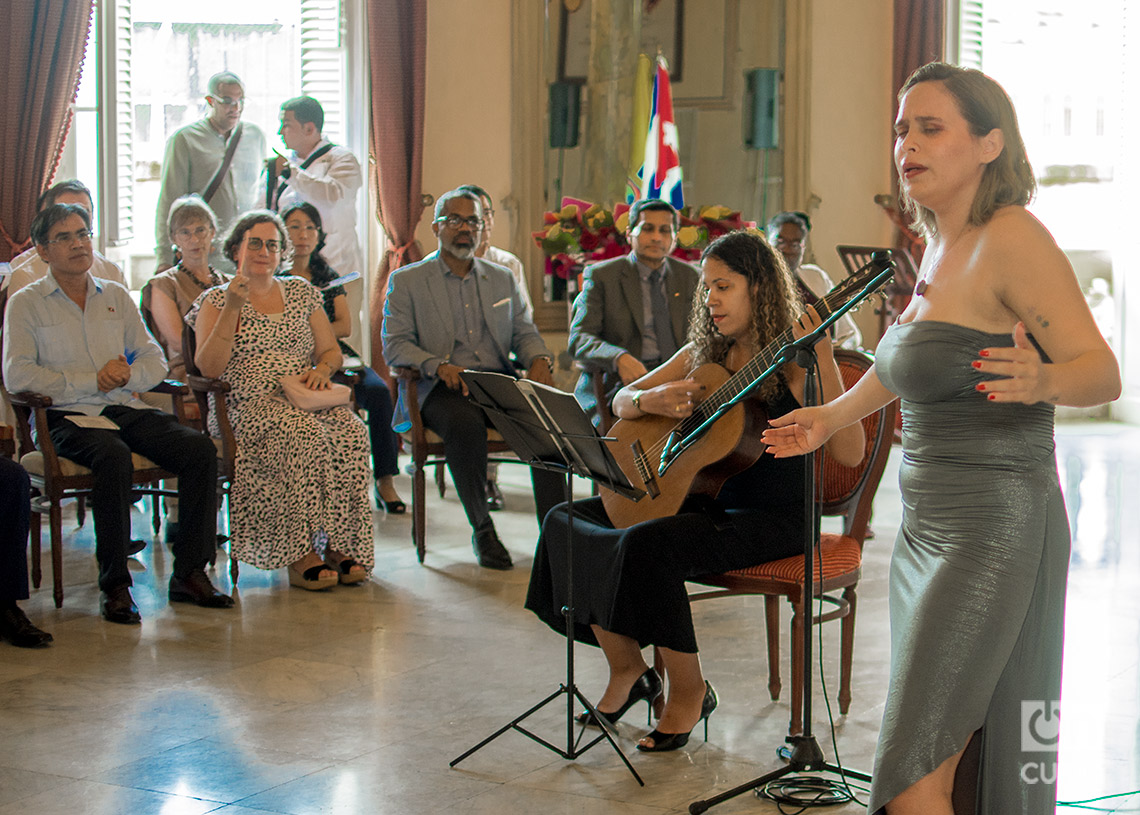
453 311
633 311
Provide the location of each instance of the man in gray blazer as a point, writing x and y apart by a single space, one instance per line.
633 312
450 312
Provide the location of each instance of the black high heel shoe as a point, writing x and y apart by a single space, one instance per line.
664 742
647 687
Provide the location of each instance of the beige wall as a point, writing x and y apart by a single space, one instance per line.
468 137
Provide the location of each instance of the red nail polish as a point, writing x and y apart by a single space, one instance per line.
981 386
992 397
983 353
976 363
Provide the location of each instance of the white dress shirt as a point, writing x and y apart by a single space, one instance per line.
54 348
330 184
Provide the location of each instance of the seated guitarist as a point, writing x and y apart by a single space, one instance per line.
629 587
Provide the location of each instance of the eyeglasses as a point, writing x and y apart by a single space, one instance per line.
186 233
227 102
645 228
68 238
255 244
301 227
782 241
455 222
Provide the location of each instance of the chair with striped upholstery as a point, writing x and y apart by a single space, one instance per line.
847 492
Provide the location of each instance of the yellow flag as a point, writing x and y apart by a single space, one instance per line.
642 100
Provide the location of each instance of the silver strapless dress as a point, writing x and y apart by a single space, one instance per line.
977 579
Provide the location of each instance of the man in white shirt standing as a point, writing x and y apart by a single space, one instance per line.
28 266
220 158
325 175
81 341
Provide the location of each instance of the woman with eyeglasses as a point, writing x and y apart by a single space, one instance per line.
168 296
303 223
300 492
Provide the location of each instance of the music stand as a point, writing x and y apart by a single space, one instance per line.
805 754
548 430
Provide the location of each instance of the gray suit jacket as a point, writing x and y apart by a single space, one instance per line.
419 332
608 318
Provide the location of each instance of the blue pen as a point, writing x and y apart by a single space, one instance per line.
129 354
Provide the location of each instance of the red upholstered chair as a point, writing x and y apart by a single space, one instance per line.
848 492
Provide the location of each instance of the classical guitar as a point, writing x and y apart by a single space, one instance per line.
673 459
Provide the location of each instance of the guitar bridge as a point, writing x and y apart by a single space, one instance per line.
641 462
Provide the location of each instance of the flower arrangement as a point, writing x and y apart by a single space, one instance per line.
582 233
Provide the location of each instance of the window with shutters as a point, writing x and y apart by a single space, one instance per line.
145 75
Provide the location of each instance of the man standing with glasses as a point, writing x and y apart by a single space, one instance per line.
633 312
450 312
81 341
220 158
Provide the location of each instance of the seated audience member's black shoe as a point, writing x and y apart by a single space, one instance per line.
494 496
135 546
118 606
18 629
171 533
489 550
196 588
396 507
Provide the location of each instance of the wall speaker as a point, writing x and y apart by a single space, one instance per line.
564 104
761 109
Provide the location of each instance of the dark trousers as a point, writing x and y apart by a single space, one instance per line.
462 425
15 497
189 455
373 395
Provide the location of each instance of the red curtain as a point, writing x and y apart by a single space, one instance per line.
397 51
43 43
920 37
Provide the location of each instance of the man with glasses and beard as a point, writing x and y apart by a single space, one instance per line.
220 158
450 312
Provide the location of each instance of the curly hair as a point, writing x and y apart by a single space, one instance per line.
247 222
985 106
775 304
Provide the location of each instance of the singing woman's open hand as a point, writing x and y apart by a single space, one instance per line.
797 432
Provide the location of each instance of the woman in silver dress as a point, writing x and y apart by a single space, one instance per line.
998 334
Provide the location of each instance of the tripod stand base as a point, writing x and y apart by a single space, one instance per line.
573 746
804 756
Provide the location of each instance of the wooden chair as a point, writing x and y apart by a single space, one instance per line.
847 492
203 387
56 479
898 291
427 450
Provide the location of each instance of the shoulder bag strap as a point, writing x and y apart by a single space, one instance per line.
224 168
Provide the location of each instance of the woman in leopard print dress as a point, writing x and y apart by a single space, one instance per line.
301 482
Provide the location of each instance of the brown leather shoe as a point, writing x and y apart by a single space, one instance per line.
196 588
18 629
119 607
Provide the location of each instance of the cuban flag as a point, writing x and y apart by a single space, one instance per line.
661 172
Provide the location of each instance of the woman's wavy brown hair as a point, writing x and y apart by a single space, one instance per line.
775 304
984 105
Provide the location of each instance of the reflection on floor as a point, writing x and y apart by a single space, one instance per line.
354 700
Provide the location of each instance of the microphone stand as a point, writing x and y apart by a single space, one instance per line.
805 754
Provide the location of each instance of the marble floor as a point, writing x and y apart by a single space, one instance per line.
355 700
